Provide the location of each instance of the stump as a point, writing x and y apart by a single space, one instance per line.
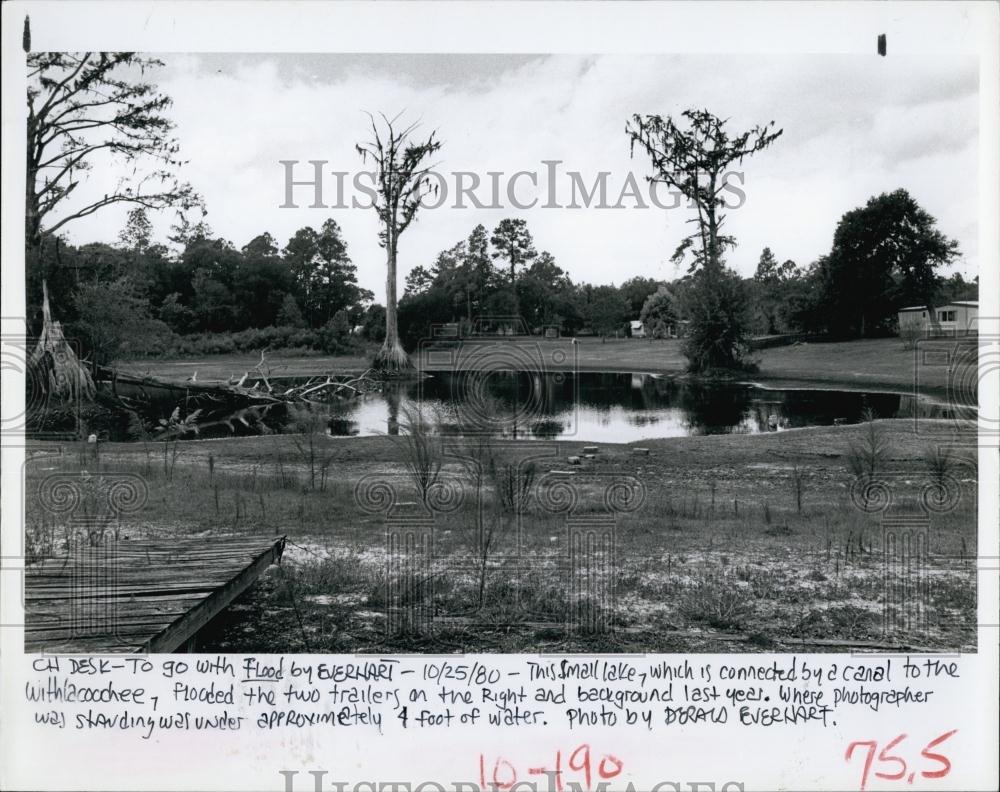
54 366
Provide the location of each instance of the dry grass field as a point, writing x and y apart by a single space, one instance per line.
719 543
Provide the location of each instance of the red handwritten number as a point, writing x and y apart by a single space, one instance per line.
585 765
504 773
502 763
872 745
617 764
887 758
926 754
884 756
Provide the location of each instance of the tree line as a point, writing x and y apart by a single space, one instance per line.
137 295
884 256
146 294
142 297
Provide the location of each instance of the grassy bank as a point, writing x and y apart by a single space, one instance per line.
877 364
740 543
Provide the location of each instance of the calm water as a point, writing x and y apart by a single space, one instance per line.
598 407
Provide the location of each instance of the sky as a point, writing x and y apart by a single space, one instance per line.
853 127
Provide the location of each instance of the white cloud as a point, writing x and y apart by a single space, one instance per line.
853 127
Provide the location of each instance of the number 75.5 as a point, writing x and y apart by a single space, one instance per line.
893 767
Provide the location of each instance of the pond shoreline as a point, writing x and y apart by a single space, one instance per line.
883 365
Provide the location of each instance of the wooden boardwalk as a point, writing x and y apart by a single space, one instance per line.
138 596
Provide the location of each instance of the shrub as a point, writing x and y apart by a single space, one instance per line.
718 311
716 600
114 320
940 463
867 455
332 339
421 452
513 482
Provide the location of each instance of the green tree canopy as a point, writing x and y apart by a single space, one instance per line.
658 313
884 257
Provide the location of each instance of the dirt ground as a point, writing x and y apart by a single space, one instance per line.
712 543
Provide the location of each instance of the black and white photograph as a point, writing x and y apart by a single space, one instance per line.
497 353
447 350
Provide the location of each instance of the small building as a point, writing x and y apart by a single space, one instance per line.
956 318
672 329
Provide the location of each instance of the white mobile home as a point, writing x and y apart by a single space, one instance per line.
952 319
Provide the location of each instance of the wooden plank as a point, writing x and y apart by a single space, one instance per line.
188 625
155 597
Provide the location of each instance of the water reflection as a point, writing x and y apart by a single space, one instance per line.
610 407
595 407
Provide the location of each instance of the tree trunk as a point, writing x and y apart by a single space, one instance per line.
513 289
32 216
392 356
392 400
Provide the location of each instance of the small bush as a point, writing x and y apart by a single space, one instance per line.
940 463
868 455
421 452
513 483
716 601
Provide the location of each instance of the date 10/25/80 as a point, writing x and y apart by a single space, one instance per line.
887 764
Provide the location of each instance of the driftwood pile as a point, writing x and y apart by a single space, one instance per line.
59 377
313 391
244 400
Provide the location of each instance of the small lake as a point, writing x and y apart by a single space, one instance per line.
594 407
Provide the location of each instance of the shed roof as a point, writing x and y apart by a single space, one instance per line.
970 303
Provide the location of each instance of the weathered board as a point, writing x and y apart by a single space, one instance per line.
138 596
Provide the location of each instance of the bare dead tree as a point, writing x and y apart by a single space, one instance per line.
83 105
694 161
402 180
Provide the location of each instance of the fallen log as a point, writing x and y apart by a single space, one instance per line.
191 407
